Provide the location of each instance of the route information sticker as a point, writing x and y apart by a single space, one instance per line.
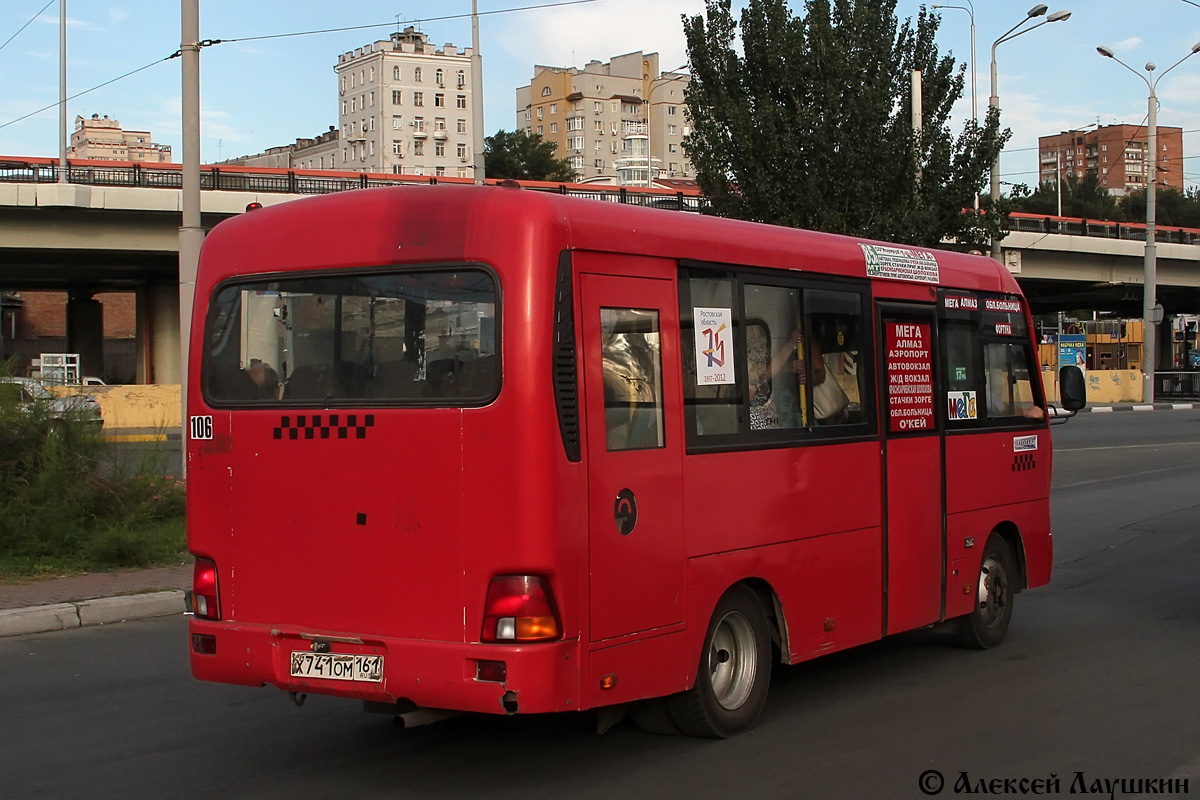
910 377
900 263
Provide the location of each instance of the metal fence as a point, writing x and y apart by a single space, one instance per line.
1102 229
1177 385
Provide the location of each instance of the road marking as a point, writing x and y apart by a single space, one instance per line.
1117 477
1125 447
1143 408
1104 410
1182 406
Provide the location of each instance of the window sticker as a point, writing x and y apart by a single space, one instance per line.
900 263
1025 444
961 303
714 346
1004 329
202 427
961 405
960 373
910 377
1006 306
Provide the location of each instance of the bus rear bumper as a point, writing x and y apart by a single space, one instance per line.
537 678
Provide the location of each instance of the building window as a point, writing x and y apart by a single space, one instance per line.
439 101
554 127
673 130
395 73
616 126
462 126
599 126
397 122
672 148
372 74
598 107
418 147
418 171
371 104
598 163
343 107
540 130
439 124
397 147
554 108
462 79
575 124
541 112
439 78
397 98
397 169
419 123
574 142
418 98
460 101
461 150
545 91
371 147
439 149
417 74
599 145
670 111
577 163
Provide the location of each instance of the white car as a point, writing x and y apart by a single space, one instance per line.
29 393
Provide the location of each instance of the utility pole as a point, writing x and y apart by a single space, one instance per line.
62 91
477 96
191 235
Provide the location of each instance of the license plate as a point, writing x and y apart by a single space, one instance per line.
337 666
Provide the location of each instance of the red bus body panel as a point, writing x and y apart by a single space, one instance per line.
386 544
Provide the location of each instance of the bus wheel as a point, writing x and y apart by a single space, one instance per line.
988 622
735 668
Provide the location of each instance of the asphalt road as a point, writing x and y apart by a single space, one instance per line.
1098 676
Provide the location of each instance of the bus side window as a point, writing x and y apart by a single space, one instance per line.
1009 386
631 360
835 322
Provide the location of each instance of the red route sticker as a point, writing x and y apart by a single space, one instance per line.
910 377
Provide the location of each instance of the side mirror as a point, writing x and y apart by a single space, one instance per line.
1072 389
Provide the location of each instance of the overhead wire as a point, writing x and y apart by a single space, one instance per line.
27 24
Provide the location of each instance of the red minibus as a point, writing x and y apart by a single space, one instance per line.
491 450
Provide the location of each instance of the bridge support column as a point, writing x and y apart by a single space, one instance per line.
159 352
85 330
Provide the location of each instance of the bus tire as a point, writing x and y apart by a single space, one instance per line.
988 621
734 672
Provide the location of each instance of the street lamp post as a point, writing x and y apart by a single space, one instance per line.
1151 311
970 9
662 78
994 100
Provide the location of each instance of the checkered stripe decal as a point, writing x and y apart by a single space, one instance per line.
1023 462
319 426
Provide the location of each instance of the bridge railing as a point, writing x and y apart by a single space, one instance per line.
1177 385
1104 229
287 181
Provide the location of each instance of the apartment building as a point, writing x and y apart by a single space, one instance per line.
102 139
319 152
405 107
611 120
1117 154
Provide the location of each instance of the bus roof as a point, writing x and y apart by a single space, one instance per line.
406 224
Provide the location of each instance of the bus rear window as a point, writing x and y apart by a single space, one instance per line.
354 339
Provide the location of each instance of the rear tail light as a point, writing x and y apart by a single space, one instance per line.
203 600
519 608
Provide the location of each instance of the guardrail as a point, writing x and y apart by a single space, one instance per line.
288 181
1102 229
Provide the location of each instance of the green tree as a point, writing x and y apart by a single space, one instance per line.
516 154
1171 207
807 123
1081 197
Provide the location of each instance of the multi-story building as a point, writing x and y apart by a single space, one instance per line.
320 152
611 120
405 107
102 139
1116 154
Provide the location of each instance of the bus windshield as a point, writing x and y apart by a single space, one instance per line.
369 338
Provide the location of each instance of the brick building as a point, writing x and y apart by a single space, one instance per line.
1116 154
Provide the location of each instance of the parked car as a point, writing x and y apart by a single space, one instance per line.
29 393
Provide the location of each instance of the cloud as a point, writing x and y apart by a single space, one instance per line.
1124 46
117 15
574 35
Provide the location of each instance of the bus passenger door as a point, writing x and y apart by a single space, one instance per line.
634 436
914 539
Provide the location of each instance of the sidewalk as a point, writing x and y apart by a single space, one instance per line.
92 599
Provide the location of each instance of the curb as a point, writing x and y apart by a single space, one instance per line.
106 610
1142 407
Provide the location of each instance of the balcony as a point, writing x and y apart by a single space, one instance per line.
420 134
440 136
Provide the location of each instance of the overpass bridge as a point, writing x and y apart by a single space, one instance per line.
113 226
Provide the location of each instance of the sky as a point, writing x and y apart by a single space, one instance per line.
268 92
